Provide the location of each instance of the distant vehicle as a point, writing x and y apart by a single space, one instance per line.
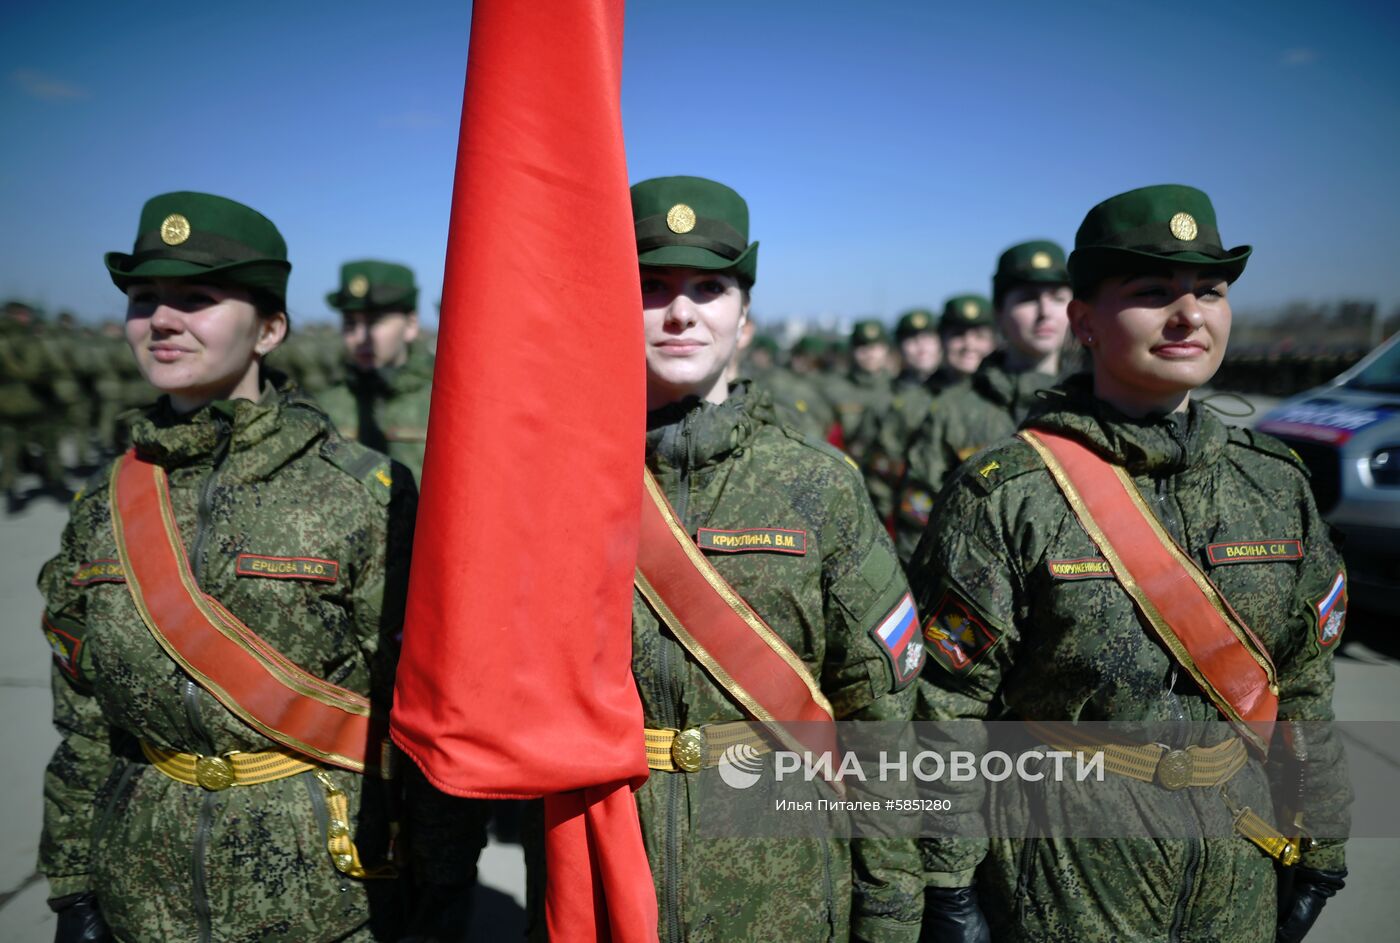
1347 432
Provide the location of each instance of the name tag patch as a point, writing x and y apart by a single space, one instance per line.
99 571
1332 612
287 568
898 635
1086 568
1254 551
956 637
772 539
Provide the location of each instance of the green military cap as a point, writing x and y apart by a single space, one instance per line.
810 345
1168 224
961 312
1039 261
691 222
765 342
869 331
202 236
913 322
371 285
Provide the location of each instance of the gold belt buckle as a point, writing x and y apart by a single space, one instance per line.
1174 769
213 772
688 749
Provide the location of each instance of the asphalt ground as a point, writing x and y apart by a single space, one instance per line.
1368 688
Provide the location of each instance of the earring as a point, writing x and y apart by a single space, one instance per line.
1088 339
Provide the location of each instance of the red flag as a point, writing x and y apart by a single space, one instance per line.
516 676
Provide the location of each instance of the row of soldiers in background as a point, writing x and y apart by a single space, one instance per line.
959 382
67 389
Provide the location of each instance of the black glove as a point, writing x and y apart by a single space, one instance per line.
1310 891
951 915
79 920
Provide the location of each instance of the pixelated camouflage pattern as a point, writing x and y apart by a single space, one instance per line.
173 861
888 434
386 410
856 395
798 402
311 357
729 467
1074 649
989 407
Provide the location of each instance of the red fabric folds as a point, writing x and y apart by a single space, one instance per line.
515 678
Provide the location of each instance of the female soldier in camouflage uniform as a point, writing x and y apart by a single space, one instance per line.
1037 610
785 520
174 809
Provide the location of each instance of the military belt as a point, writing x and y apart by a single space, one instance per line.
1176 769
250 769
697 748
231 769
1153 762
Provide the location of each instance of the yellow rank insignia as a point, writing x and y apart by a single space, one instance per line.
969 310
174 229
358 286
919 321
680 219
1183 226
383 478
1040 260
870 332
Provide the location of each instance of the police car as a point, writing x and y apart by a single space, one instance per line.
1348 434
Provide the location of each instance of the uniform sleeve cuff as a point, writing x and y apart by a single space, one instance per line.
871 929
950 878
1326 857
68 885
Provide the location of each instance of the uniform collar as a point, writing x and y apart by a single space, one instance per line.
693 433
414 375
1160 444
256 437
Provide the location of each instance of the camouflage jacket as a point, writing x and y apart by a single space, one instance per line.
22 366
1014 633
888 434
989 407
729 467
797 401
173 861
386 410
859 394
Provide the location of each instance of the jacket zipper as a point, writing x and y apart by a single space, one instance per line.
1173 525
671 879
198 883
199 879
206 498
1188 877
830 882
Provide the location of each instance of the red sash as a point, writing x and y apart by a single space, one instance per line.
258 684
1181 605
722 631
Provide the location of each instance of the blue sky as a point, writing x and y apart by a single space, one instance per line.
888 151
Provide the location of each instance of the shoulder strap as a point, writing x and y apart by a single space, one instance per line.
1181 605
254 681
723 632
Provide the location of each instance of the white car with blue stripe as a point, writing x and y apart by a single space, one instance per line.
1348 434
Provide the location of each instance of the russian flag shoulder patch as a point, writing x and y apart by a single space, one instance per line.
897 635
1332 612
